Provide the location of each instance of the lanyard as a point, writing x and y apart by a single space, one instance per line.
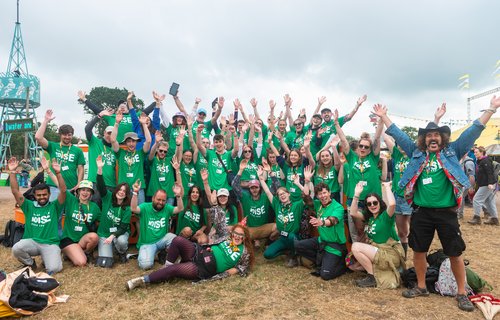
65 157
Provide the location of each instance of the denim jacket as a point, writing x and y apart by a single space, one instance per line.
449 156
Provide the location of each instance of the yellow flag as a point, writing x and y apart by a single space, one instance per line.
465 76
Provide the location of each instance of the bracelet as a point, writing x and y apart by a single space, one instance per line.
134 193
491 110
58 172
355 197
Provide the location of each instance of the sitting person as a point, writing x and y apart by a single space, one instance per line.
234 254
191 221
40 234
329 249
382 257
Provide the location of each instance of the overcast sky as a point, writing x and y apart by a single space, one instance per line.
407 55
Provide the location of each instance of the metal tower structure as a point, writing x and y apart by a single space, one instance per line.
19 97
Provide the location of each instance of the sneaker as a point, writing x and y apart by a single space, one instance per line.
292 263
492 221
33 266
315 273
122 257
135 283
367 282
415 292
162 256
464 303
475 220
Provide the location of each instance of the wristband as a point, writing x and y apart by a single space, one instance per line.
58 172
134 193
491 110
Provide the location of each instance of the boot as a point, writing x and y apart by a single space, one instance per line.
367 282
292 262
476 220
122 257
135 283
492 221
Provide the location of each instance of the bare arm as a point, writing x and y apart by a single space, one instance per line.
114 144
220 105
356 107
39 135
288 106
376 139
440 113
354 205
200 145
133 202
147 144
321 100
391 201
61 198
178 195
494 104
263 184
340 133
14 186
389 142
253 102
179 104
307 148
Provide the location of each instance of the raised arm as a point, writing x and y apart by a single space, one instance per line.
200 145
12 165
441 110
263 184
101 186
359 102
90 126
288 108
238 105
179 104
144 123
192 143
211 196
378 134
39 135
307 148
388 196
133 202
321 101
83 97
336 157
389 142
115 144
494 104
56 166
253 103
354 205
340 133
158 139
178 195
218 111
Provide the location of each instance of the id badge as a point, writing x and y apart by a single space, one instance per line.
113 229
130 175
364 183
161 179
292 189
427 181
190 184
284 233
78 228
64 168
218 171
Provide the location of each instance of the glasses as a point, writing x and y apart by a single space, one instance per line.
201 114
247 151
297 124
372 204
162 151
241 235
364 146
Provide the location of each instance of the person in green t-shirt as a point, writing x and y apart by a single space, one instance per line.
384 247
191 222
154 218
68 155
130 160
364 168
162 172
288 215
41 220
328 165
114 223
328 250
79 238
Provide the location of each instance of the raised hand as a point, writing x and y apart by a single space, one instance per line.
44 162
379 110
130 95
251 118
361 100
106 112
143 118
12 164
359 188
99 162
200 128
56 166
307 139
204 174
260 172
179 139
440 111
243 164
288 100
136 186
265 165
321 100
495 102
244 128
49 115
220 102
197 100
119 116
158 136
308 173
237 104
272 104
189 121
82 95
253 102
177 190
335 116
175 164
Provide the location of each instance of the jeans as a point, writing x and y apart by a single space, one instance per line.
331 266
54 193
147 252
120 243
278 247
485 197
25 249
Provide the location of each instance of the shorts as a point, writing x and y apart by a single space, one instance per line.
425 221
66 242
402 206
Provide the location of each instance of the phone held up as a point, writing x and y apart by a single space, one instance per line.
174 89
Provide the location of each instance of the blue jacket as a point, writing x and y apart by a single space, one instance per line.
450 155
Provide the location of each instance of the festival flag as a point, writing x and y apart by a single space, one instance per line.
496 73
464 81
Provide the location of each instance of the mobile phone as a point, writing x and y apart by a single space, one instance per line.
214 103
174 89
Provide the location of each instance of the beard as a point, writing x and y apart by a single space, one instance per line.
158 206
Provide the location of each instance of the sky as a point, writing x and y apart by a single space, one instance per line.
406 55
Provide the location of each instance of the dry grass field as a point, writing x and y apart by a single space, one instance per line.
271 291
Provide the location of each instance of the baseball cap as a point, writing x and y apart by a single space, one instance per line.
223 192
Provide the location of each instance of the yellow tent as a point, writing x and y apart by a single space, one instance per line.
489 136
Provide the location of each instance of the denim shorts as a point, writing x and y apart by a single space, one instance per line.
402 206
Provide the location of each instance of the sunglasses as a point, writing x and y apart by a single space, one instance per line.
372 204
297 124
162 151
364 146
242 235
247 151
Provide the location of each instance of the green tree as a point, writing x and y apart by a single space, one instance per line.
411 132
108 98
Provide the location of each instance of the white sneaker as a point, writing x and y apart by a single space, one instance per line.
134 283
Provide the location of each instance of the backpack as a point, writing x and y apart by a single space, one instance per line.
14 232
436 258
446 284
496 169
409 278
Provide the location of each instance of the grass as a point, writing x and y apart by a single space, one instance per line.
271 291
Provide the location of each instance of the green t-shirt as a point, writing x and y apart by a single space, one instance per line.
124 126
153 224
275 172
162 177
171 134
289 172
200 164
189 175
349 192
256 211
334 233
365 170
41 222
226 256
250 172
294 140
400 161
70 157
227 213
380 229
191 218
131 167
217 177
288 217
433 188
206 130
78 216
112 217
330 129
330 178
97 148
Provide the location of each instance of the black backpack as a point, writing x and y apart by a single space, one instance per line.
14 232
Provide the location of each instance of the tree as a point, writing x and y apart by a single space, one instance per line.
411 132
108 98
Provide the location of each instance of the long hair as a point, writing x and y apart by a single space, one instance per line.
322 169
299 163
198 203
445 141
247 242
251 154
126 200
383 206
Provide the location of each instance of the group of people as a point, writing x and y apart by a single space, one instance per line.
208 189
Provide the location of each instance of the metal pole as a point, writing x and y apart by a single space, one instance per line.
26 134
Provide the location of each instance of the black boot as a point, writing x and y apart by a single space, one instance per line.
367 282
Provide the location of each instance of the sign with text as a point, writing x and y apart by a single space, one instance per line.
14 89
18 125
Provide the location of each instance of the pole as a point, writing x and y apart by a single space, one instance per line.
26 134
